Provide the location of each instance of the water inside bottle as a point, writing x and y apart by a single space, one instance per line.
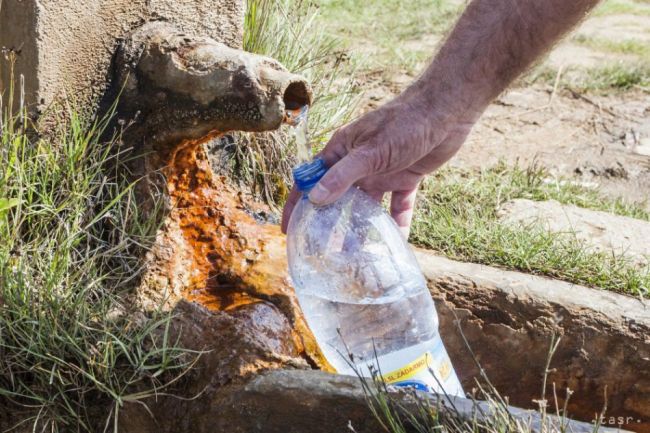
396 334
298 120
369 329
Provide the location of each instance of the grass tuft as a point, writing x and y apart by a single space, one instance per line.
288 31
620 76
616 76
457 216
625 46
71 240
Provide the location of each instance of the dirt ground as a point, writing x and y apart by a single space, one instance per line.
601 137
599 140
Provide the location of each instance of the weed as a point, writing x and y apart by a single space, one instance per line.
288 31
457 216
71 240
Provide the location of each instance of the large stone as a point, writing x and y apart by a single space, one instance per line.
509 320
600 231
65 47
309 401
178 92
227 350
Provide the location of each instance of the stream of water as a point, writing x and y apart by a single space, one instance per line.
298 119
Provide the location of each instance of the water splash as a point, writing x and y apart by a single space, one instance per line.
298 120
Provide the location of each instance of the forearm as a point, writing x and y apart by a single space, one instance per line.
493 42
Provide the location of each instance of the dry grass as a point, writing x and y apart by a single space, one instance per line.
288 30
71 239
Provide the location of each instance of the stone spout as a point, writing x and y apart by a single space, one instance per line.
174 87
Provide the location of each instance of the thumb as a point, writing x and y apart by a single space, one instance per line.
338 179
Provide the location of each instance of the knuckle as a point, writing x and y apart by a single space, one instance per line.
367 160
335 181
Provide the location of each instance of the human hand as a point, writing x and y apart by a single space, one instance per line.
388 150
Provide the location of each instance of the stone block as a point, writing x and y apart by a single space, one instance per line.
309 401
510 319
65 47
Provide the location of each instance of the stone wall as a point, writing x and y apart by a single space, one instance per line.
509 320
65 46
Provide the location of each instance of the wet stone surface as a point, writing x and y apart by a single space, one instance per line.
214 252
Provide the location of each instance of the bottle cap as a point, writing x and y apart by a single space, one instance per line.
308 174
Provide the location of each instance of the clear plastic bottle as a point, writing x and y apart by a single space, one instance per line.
362 291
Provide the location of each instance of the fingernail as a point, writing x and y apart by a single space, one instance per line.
319 194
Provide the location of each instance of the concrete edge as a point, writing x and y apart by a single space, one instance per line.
319 385
615 306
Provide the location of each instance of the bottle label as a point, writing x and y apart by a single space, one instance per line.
430 372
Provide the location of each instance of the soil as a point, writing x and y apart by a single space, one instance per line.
594 139
598 138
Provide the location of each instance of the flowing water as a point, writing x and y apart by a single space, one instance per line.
298 119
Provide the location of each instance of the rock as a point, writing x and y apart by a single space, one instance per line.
233 347
600 231
66 46
236 344
292 402
509 319
309 401
177 89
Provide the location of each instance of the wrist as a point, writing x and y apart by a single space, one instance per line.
446 99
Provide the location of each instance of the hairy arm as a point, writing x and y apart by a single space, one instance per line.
493 42
391 149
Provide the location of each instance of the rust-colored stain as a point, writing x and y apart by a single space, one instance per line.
234 260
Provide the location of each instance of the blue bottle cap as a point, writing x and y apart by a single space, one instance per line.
308 174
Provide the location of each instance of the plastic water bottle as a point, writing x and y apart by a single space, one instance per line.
362 291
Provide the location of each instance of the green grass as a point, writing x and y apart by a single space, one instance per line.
387 20
625 46
612 77
71 240
378 30
291 31
457 216
617 7
619 76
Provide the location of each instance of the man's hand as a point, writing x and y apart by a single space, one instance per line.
387 150
392 148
